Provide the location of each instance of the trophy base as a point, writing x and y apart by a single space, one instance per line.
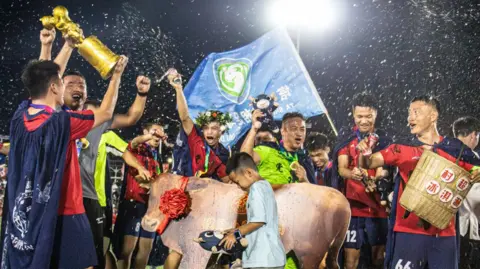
98 55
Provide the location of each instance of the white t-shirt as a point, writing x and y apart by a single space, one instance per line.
470 212
265 248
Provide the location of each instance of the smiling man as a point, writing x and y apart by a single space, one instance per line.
368 224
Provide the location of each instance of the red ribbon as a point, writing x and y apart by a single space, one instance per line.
173 204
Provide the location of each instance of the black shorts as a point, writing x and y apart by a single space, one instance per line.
108 222
96 218
469 253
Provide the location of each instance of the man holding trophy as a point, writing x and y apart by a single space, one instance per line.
75 98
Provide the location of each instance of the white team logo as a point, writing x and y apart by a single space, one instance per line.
21 209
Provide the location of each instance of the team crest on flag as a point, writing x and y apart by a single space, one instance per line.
233 78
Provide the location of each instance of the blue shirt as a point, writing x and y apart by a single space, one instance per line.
265 248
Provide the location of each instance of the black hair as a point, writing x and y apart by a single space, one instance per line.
93 102
38 75
364 99
316 141
265 128
150 122
292 115
430 100
465 126
239 161
73 73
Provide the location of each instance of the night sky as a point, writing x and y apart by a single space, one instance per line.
394 49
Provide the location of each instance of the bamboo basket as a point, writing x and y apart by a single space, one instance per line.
436 189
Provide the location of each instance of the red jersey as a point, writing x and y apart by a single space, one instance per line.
71 198
198 154
406 159
146 157
362 204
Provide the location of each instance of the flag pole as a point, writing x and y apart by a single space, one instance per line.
312 86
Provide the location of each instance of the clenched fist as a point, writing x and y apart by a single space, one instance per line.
143 84
47 36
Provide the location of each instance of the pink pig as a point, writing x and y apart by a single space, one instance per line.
313 219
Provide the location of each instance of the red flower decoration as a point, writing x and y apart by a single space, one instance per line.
173 203
214 114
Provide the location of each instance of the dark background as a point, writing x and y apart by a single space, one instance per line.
394 49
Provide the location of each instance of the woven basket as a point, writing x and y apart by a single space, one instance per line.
436 189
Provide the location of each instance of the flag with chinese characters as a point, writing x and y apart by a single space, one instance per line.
225 81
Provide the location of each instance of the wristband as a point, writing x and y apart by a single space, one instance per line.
237 235
142 94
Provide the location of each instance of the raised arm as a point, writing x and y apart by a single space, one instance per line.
141 139
105 112
249 142
46 39
64 54
187 122
146 137
136 110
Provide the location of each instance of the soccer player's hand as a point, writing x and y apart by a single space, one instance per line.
301 173
143 175
357 173
256 124
363 145
229 241
47 36
475 172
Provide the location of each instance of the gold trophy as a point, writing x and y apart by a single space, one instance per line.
91 48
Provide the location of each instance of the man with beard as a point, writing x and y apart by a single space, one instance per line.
285 162
412 242
467 130
368 224
133 203
75 98
318 150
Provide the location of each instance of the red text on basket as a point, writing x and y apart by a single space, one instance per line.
446 195
447 175
433 187
456 202
462 184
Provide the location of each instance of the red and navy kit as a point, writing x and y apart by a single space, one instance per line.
71 200
323 176
199 152
362 204
45 212
406 159
134 205
148 158
411 244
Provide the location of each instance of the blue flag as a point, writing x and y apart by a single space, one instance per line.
225 81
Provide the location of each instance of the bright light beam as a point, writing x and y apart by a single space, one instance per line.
309 14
